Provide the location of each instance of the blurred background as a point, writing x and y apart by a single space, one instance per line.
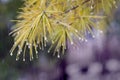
96 59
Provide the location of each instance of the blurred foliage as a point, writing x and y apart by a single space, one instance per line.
8 10
7 72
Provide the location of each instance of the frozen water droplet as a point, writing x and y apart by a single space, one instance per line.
93 36
72 43
37 42
19 52
32 57
45 45
15 43
40 48
79 38
24 59
11 54
92 7
101 31
27 43
86 40
36 52
29 46
114 2
45 38
36 45
76 31
16 59
48 51
82 39
18 33
19 46
58 56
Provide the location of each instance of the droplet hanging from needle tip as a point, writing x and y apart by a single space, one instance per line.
58 56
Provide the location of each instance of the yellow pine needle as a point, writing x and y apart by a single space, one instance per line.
57 21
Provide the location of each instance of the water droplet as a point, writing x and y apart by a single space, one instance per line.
19 46
18 33
27 43
37 42
76 31
114 2
62 44
36 52
82 39
86 40
16 59
45 38
92 7
45 45
36 45
40 48
93 36
19 52
15 43
79 38
72 43
29 46
32 57
24 59
11 54
58 56
100 31
48 51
